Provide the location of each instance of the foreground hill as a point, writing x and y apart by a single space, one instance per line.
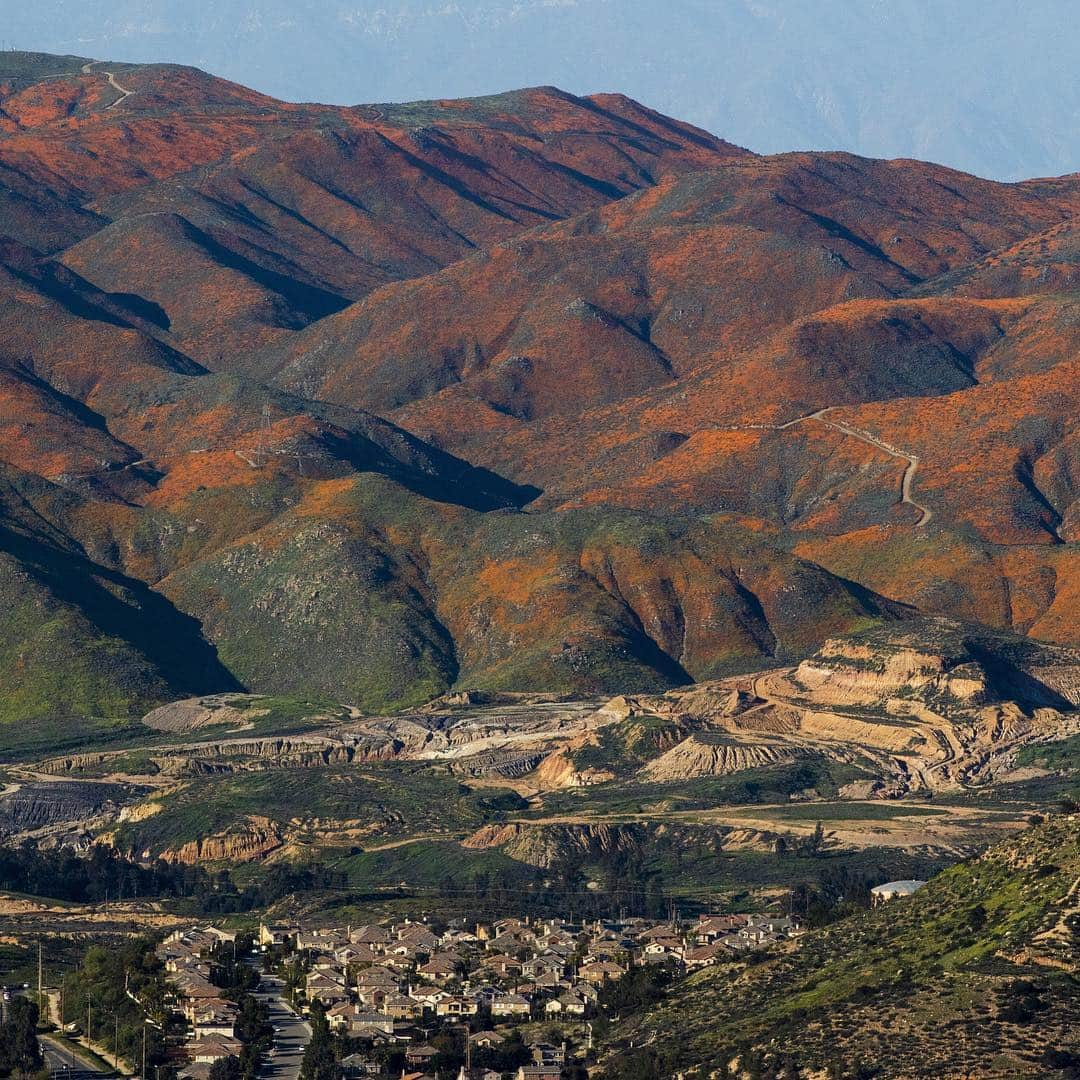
974 975
528 392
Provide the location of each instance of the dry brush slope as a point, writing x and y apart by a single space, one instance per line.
610 316
655 352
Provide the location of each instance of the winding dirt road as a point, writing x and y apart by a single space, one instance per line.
123 91
908 480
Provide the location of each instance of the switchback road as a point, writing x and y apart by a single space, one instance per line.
906 483
123 91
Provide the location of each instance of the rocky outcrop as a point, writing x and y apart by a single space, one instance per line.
193 714
925 704
42 805
944 664
95 762
547 845
558 771
843 673
257 840
508 765
713 755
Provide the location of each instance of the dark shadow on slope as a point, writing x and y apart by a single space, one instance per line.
70 300
648 652
146 620
436 475
141 308
445 179
1024 471
77 409
1004 667
680 134
842 232
313 302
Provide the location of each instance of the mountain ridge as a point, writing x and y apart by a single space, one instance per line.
905 80
392 399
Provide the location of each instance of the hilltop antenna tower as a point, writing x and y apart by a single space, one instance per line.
262 446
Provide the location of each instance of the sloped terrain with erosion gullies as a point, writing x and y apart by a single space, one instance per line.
917 742
530 393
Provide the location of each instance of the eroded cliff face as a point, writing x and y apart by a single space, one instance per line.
860 675
257 839
926 705
558 770
708 754
547 845
929 705
46 807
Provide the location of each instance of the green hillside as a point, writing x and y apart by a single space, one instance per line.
975 975
85 651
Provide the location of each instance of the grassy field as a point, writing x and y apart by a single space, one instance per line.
844 811
260 715
385 802
30 67
422 864
1064 755
1035 794
45 736
741 879
748 787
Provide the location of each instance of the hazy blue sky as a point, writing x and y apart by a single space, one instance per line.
991 86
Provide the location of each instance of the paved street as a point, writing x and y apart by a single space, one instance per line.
62 1064
291 1034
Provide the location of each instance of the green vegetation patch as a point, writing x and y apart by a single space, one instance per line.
846 811
625 747
383 802
423 864
26 68
957 954
1063 755
766 784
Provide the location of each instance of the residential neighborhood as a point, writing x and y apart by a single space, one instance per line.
514 997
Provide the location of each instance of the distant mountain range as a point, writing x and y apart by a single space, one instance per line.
531 391
988 86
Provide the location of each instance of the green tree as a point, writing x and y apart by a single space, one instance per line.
226 1069
19 1050
320 1060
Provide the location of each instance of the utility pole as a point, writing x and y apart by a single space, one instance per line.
144 1051
116 1041
87 1019
41 979
262 446
468 1050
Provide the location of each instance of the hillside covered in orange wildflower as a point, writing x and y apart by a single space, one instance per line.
528 392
